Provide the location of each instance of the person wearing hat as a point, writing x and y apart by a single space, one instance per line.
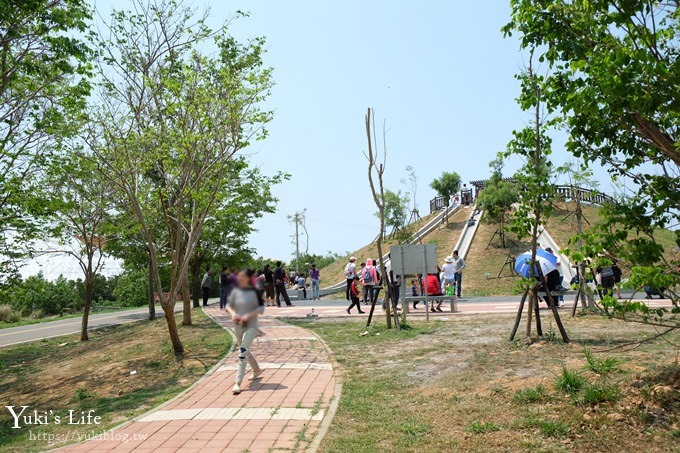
458 265
350 273
448 272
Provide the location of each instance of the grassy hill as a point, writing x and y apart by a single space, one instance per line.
485 260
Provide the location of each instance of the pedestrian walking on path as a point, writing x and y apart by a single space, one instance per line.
314 277
244 305
354 294
280 285
350 273
206 284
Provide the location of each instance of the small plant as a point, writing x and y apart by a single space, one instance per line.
570 381
600 366
82 394
599 393
550 335
531 395
414 429
482 428
550 428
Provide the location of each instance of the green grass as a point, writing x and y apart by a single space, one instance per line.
599 393
483 427
570 381
600 366
531 395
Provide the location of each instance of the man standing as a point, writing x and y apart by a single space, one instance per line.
314 277
206 284
458 266
280 285
350 273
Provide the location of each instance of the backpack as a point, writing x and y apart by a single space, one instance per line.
607 279
368 277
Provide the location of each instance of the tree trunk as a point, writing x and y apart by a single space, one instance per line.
89 286
196 283
169 310
152 301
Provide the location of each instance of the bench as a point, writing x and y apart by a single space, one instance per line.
408 300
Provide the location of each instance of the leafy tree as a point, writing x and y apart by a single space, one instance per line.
447 185
533 146
613 84
171 120
497 198
44 68
81 202
396 210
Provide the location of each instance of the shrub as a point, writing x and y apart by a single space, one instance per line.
570 381
131 289
8 315
52 298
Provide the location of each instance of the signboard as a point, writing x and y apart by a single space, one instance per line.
413 259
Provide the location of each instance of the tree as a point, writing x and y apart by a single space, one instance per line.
533 145
44 73
412 184
81 204
497 199
613 83
245 197
447 185
171 120
376 171
395 210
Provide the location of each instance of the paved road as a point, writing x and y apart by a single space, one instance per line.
33 332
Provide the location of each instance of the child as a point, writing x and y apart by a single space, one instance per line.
354 294
244 305
414 292
302 286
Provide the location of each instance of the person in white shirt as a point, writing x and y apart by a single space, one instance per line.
448 272
350 273
458 266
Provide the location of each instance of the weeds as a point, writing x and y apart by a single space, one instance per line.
531 395
570 381
599 393
600 366
483 428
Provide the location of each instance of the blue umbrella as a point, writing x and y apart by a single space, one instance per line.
546 261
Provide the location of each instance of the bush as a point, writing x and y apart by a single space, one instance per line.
52 298
131 289
8 315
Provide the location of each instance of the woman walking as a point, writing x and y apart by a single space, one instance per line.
244 305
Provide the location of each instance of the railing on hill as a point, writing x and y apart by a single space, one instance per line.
438 203
585 195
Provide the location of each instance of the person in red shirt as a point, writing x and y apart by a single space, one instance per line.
433 289
354 294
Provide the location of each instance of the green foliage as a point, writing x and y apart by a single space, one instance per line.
498 197
447 185
612 83
593 394
483 427
602 367
570 381
131 289
37 294
531 395
396 209
44 72
7 314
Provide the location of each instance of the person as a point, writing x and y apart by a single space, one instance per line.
350 273
302 286
369 278
314 278
280 285
448 272
245 305
258 282
376 289
360 274
618 273
354 294
268 285
225 287
206 284
458 266
655 292
555 278
414 292
433 287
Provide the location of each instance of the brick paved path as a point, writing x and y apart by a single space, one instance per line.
282 412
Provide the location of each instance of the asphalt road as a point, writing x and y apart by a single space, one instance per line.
33 332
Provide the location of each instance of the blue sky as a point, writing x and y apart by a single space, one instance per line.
439 73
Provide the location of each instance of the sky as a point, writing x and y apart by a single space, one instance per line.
439 74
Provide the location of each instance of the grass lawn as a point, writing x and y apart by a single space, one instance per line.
28 321
461 386
62 374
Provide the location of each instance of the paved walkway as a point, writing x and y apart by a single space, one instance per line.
282 412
